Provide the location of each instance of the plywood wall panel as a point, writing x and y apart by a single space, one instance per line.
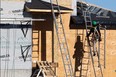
51 46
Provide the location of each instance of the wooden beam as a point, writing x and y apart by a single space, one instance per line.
47 10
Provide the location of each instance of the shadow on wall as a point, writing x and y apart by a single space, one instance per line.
42 28
78 54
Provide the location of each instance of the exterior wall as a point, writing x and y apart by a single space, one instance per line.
71 35
110 70
66 3
53 53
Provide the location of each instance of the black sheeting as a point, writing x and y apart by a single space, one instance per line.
103 16
14 26
38 4
77 22
103 21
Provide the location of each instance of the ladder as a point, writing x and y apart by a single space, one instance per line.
103 43
88 24
85 71
62 39
84 66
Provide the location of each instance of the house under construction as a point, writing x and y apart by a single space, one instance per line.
48 38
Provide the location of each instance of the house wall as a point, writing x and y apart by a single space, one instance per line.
66 3
110 70
50 49
71 35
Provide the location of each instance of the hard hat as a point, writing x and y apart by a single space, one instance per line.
94 23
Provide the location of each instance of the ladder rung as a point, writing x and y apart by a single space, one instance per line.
59 27
87 16
62 41
60 32
56 6
86 52
86 45
88 21
86 58
66 60
89 26
68 64
80 34
84 69
85 63
58 22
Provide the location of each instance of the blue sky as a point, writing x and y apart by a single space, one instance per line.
110 4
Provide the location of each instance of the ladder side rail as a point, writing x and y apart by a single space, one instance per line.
99 64
105 47
84 17
92 58
71 71
88 64
56 26
39 73
63 47
98 52
104 28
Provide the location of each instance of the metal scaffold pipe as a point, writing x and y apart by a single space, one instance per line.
20 19
105 47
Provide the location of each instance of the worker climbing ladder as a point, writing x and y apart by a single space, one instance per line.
62 39
88 24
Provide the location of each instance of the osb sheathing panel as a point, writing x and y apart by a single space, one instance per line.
110 70
48 42
66 3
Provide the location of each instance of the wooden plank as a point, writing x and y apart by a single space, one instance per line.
46 10
47 64
47 67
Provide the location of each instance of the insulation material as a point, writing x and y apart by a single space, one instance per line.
15 49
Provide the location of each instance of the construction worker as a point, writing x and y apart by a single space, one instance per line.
95 29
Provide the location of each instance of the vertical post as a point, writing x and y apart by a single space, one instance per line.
0 52
105 47
83 35
99 51
92 61
53 44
